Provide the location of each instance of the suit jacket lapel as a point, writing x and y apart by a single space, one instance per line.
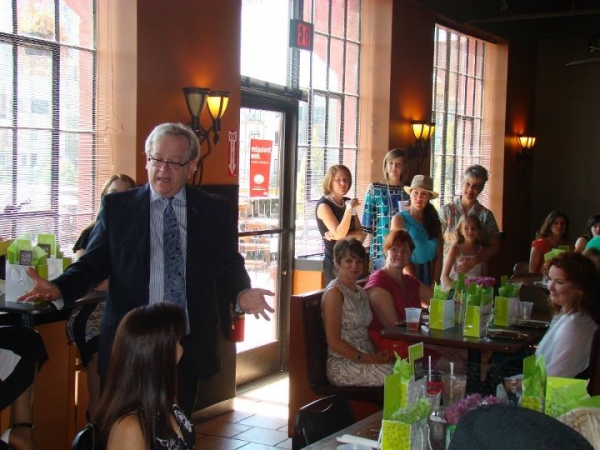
141 211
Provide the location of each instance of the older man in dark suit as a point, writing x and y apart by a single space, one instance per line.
131 246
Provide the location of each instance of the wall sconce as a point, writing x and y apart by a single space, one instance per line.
196 99
423 131
527 143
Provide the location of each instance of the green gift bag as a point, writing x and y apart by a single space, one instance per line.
20 256
564 394
473 323
506 311
534 383
405 410
441 314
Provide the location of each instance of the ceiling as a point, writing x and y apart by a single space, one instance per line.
523 18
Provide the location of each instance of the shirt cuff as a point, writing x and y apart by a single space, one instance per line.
238 308
59 303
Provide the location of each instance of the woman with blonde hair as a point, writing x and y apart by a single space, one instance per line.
382 202
336 214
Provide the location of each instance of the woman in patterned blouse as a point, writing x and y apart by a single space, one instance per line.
382 202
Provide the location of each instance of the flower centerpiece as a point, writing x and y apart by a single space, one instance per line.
485 282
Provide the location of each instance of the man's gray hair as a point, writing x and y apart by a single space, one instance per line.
478 172
173 129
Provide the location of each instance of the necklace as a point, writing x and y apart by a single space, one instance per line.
339 205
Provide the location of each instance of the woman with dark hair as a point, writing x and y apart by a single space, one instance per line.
422 222
574 285
137 409
351 358
83 325
382 202
554 233
592 229
336 214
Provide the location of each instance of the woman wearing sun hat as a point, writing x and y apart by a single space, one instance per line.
422 222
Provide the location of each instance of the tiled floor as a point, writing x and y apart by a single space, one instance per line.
258 421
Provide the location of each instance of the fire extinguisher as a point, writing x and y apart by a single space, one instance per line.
236 331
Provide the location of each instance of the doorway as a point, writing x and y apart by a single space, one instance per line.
266 171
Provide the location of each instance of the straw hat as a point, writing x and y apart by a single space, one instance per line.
423 183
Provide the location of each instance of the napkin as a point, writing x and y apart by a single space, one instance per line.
351 439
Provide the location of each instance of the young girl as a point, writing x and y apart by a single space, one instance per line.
468 244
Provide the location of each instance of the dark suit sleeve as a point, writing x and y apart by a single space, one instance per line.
232 276
92 267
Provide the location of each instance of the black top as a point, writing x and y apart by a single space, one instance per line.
328 266
84 238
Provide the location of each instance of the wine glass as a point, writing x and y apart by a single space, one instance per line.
486 314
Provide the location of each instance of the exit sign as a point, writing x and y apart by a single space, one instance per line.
301 34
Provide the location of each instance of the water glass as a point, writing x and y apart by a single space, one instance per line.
525 309
454 387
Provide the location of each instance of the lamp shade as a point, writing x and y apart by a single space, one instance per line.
217 103
195 98
423 130
527 142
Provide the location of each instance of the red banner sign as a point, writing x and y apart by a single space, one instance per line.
260 167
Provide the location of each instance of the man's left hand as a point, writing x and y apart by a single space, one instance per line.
252 301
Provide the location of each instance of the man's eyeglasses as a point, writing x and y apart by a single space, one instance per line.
171 165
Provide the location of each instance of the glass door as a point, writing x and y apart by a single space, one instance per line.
266 235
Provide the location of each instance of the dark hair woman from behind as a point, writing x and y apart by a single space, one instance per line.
137 406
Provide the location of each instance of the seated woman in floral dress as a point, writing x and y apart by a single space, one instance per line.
352 360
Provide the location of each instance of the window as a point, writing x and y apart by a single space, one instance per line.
328 128
328 121
51 158
462 132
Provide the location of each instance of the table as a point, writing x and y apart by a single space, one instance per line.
453 337
368 428
31 314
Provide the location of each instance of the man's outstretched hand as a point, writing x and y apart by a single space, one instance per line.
43 290
252 301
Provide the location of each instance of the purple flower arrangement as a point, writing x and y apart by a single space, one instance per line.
485 282
455 411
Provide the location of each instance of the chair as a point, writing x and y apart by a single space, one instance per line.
521 267
316 357
539 297
321 418
594 366
84 439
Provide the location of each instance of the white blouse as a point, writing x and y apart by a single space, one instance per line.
567 344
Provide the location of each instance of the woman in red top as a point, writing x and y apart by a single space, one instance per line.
554 233
391 290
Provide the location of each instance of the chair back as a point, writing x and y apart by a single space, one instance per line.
320 419
316 342
594 366
539 297
315 347
85 439
521 267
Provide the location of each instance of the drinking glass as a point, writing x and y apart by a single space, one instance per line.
486 314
